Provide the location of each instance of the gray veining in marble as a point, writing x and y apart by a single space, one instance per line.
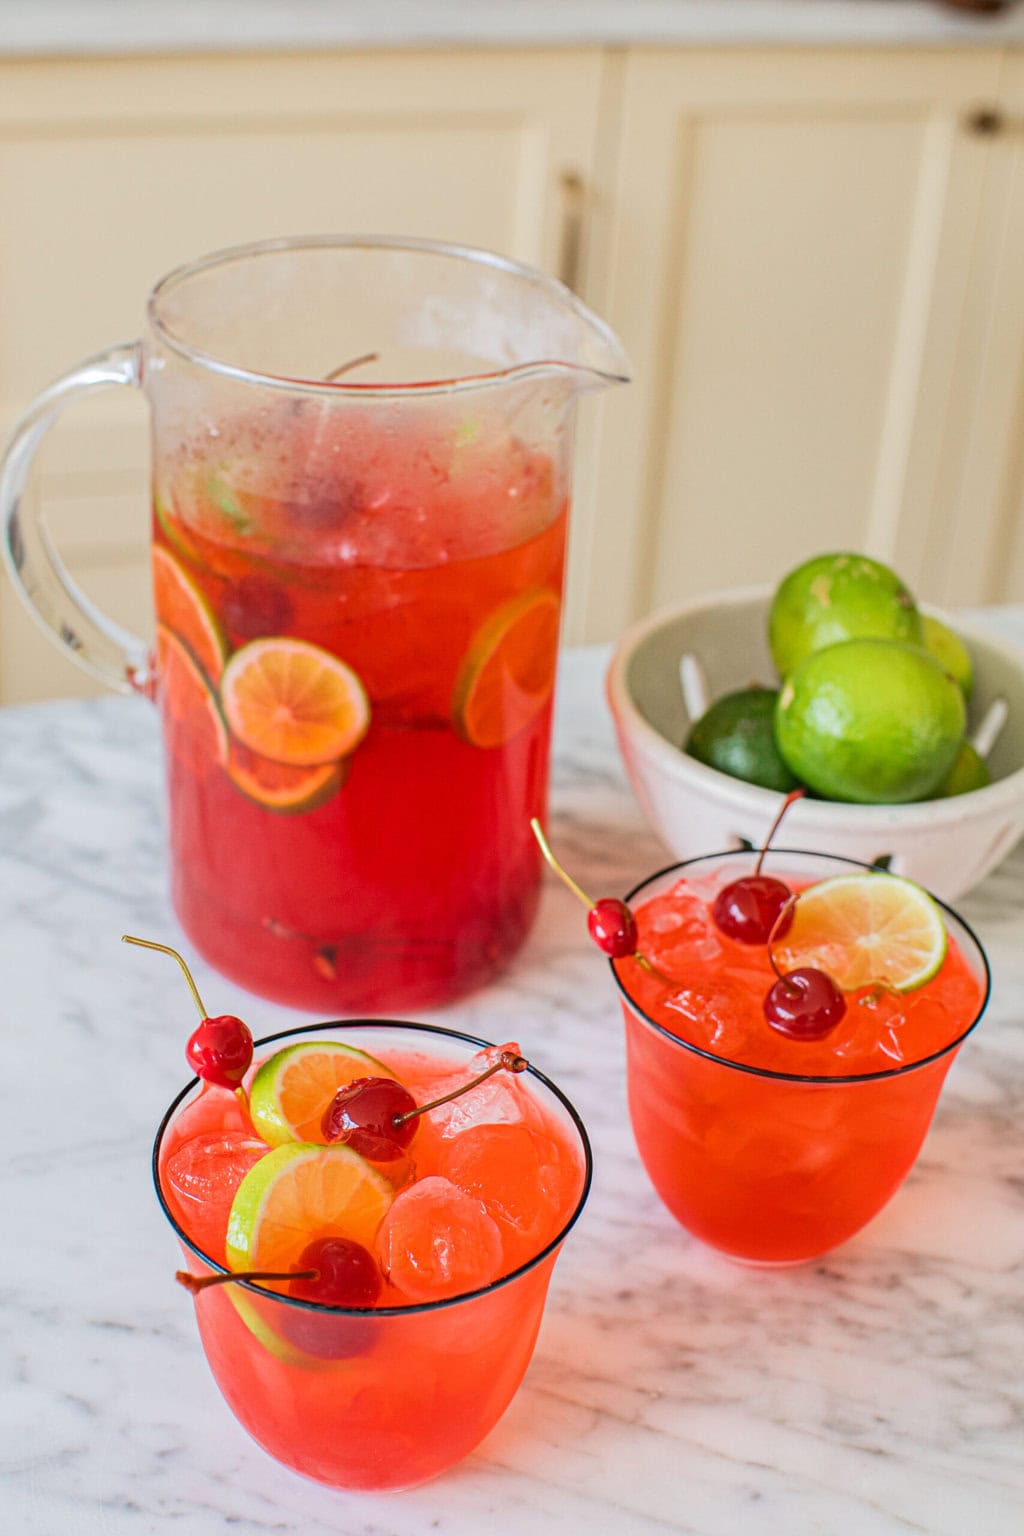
877 1393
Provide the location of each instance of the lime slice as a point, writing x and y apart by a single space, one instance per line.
190 706
866 930
508 672
182 608
299 1192
292 1088
278 787
294 702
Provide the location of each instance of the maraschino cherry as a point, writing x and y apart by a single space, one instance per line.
376 1116
749 908
610 922
805 1003
219 1049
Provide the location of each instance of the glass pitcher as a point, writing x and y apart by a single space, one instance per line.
361 463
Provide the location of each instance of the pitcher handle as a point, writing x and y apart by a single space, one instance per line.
110 653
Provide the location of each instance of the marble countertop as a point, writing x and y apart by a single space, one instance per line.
876 1393
32 27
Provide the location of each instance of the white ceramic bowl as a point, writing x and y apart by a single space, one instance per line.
946 845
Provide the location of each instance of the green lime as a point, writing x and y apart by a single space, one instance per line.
736 735
834 598
873 721
969 771
949 649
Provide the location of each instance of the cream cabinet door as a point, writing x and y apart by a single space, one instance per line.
814 266
113 172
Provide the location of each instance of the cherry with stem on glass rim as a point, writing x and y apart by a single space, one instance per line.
748 909
610 922
376 1116
219 1049
805 1003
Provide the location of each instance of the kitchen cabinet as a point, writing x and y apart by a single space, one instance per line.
812 254
815 261
112 172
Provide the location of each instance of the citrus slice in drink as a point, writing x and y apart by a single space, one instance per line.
508 672
299 1192
866 930
292 1088
278 787
181 607
294 702
196 730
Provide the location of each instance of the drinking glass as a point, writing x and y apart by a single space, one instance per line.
777 1167
387 1397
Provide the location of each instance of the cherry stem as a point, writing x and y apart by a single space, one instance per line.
652 969
790 904
566 878
794 794
197 1283
353 362
563 874
165 949
507 1062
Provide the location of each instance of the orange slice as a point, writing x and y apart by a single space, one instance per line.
508 672
278 787
293 702
292 1088
182 608
196 729
299 1192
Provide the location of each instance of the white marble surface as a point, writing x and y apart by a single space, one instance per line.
143 26
876 1393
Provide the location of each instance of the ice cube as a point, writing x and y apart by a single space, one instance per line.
200 1178
437 1241
500 1100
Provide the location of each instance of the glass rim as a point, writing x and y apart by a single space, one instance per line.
805 1077
530 275
324 1309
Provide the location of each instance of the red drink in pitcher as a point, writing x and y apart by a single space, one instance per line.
362 460
357 645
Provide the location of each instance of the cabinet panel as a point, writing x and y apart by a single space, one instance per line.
111 173
792 253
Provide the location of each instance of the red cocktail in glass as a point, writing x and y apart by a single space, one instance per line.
389 1395
769 1149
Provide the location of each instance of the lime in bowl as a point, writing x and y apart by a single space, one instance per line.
443 1248
773 1133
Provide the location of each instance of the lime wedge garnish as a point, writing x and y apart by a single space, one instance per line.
292 1088
866 930
299 1192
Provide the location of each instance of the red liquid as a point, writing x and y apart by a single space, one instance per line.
770 1169
365 1400
416 878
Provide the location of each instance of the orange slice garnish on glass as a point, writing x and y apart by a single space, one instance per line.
196 726
508 672
293 702
280 787
182 608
